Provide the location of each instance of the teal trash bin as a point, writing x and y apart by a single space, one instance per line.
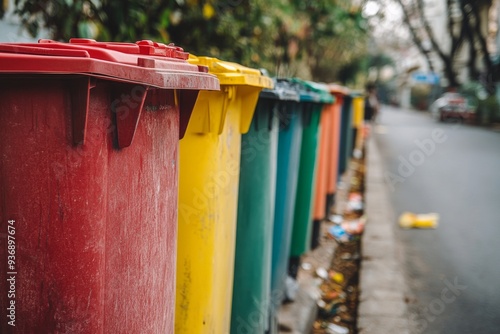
289 142
292 121
316 96
254 234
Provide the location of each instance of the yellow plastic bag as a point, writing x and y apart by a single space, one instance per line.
412 220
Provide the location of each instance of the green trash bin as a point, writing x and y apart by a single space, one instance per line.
254 233
289 160
317 96
289 140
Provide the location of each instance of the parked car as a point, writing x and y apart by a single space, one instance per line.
452 105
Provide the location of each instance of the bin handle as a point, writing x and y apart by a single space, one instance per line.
187 100
127 114
229 93
80 97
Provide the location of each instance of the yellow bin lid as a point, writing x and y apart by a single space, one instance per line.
237 82
230 73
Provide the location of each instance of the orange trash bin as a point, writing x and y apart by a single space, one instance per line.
326 180
333 169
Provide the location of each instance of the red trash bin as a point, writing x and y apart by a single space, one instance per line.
88 178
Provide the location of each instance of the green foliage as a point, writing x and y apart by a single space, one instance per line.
380 60
348 73
420 96
313 38
486 104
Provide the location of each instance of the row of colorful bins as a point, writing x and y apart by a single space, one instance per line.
118 226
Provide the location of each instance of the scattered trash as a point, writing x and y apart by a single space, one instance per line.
321 304
355 197
291 288
347 318
354 227
338 233
355 202
338 291
336 329
355 184
336 277
322 273
346 256
348 230
306 266
336 219
327 310
320 324
330 295
343 308
349 256
410 220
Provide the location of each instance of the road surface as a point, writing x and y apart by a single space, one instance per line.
454 170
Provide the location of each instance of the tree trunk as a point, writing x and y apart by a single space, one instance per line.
488 84
469 32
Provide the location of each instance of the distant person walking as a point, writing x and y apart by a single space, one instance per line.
372 105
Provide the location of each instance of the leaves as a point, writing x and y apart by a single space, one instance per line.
313 38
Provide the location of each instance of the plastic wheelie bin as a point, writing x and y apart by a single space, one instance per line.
208 197
327 164
254 236
89 136
289 142
339 92
316 115
346 135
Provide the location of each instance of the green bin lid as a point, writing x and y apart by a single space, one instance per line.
323 90
313 91
283 90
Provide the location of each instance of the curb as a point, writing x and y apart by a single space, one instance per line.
382 308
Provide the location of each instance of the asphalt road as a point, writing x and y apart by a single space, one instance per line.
453 271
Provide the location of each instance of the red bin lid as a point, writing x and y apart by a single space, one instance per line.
144 62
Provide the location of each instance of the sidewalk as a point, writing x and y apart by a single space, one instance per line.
382 308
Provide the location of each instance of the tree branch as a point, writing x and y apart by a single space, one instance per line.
482 40
466 26
414 35
447 59
430 34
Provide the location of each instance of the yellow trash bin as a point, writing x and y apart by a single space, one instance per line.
208 197
358 114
